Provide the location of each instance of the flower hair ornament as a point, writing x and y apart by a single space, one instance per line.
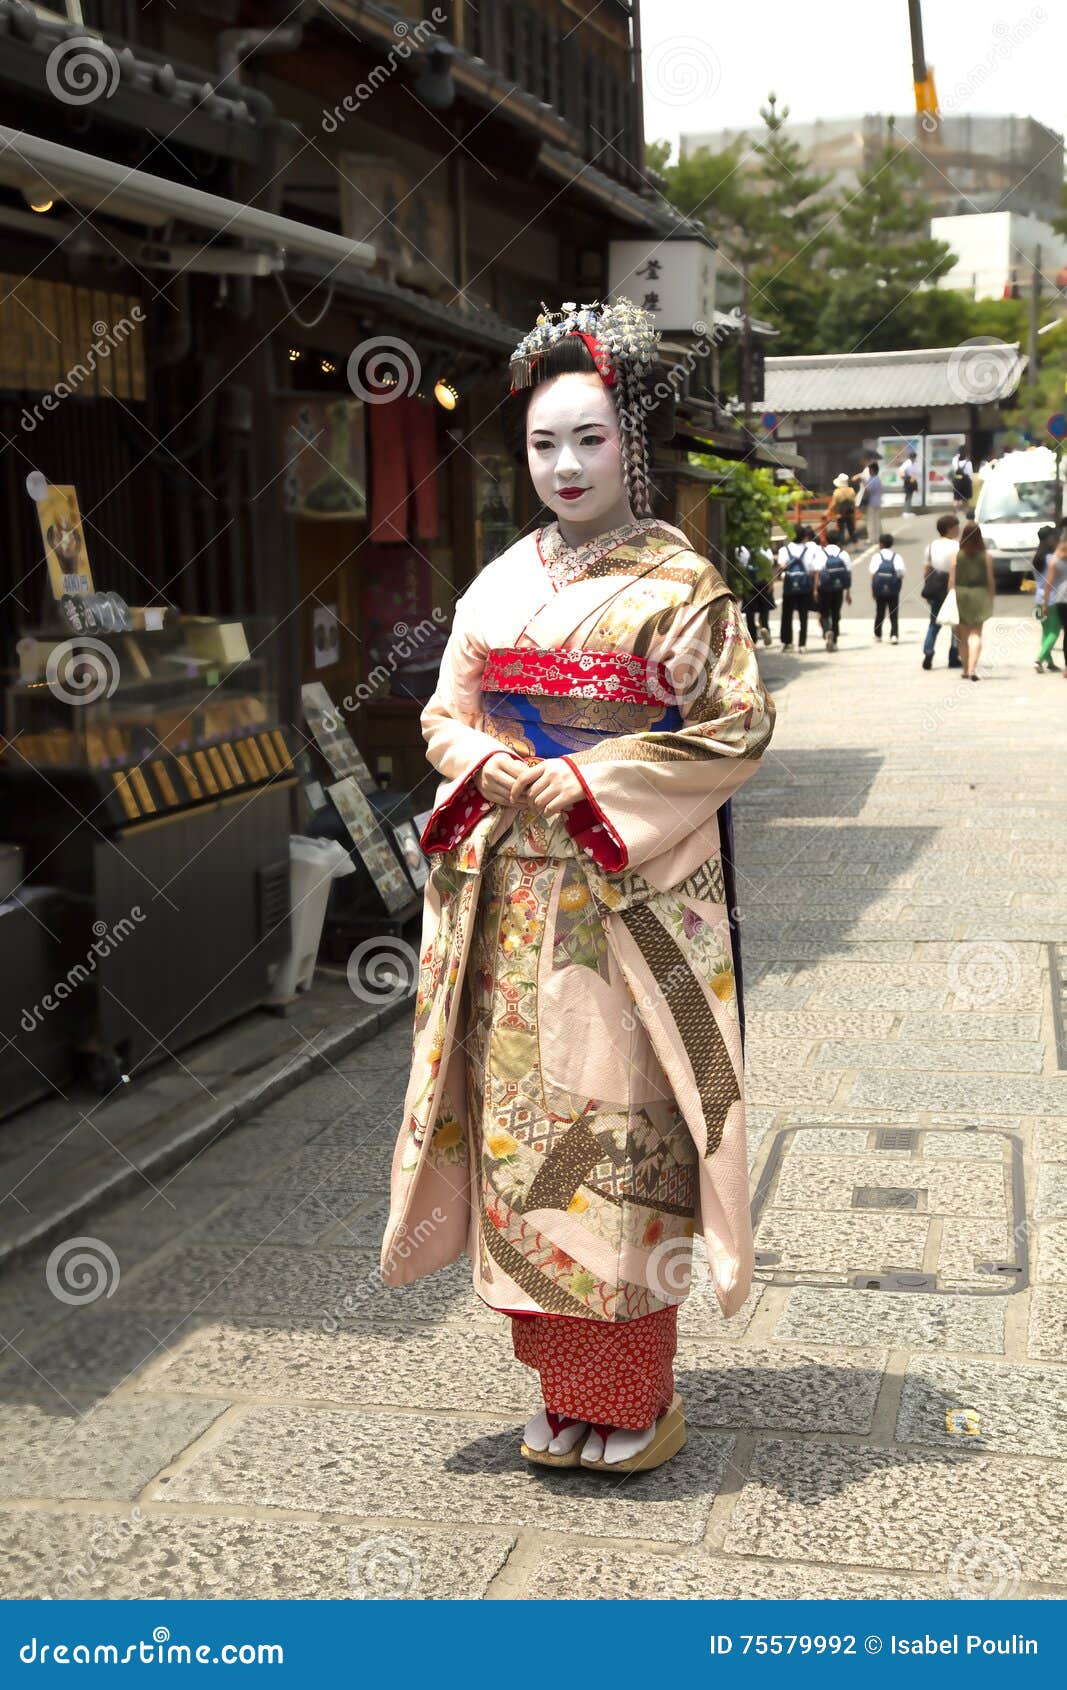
622 341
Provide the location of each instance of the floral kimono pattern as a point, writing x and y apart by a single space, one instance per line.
575 1108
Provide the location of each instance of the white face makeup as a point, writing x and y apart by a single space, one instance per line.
572 446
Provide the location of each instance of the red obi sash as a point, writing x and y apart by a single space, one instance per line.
620 676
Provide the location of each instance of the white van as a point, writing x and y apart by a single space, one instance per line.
1017 497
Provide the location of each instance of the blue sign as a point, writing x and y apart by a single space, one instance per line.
1057 425
769 420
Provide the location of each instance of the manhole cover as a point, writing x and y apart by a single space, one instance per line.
815 1224
886 1197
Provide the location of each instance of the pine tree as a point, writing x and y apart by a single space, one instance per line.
784 234
882 266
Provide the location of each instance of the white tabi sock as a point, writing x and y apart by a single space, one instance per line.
538 1435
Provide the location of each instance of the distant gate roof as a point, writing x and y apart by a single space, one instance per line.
977 372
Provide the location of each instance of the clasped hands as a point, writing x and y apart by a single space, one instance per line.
550 785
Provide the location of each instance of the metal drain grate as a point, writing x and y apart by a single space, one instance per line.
896 1138
886 1196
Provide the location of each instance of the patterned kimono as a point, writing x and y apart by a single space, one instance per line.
575 1107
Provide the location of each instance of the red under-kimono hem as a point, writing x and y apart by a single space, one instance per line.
612 1373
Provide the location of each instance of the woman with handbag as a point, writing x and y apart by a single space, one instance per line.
970 576
939 556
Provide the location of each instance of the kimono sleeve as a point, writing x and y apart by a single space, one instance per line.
645 792
451 725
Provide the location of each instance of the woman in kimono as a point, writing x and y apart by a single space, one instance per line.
574 1111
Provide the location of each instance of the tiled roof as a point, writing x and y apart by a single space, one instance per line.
974 373
75 65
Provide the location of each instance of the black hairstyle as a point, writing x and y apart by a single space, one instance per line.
570 355
885 541
946 523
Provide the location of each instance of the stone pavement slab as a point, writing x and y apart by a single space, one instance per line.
410 1466
110 1451
171 1558
987 1522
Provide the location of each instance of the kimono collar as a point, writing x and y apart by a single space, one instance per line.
565 562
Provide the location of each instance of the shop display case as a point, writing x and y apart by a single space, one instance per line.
146 777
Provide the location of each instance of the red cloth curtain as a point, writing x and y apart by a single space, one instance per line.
403 470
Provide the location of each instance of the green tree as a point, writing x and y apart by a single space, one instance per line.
754 504
881 266
783 234
710 186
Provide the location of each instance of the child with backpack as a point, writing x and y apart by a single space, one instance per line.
835 582
887 574
757 599
798 570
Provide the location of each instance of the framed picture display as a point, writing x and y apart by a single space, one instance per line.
332 737
368 837
325 458
411 851
64 542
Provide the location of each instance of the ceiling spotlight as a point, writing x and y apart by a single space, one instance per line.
39 197
294 355
445 394
327 367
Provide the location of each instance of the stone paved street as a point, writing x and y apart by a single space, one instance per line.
251 1414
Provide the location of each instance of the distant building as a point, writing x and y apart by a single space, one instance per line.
996 252
971 163
841 409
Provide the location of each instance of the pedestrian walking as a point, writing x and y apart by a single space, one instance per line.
797 569
887 575
909 480
971 576
962 473
939 556
842 507
757 601
835 584
1054 600
1046 541
871 499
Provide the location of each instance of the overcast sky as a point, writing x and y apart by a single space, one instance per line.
709 64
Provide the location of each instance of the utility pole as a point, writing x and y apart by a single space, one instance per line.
746 352
1035 315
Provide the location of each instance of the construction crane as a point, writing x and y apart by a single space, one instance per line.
926 107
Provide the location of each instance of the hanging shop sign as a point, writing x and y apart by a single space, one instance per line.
675 280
